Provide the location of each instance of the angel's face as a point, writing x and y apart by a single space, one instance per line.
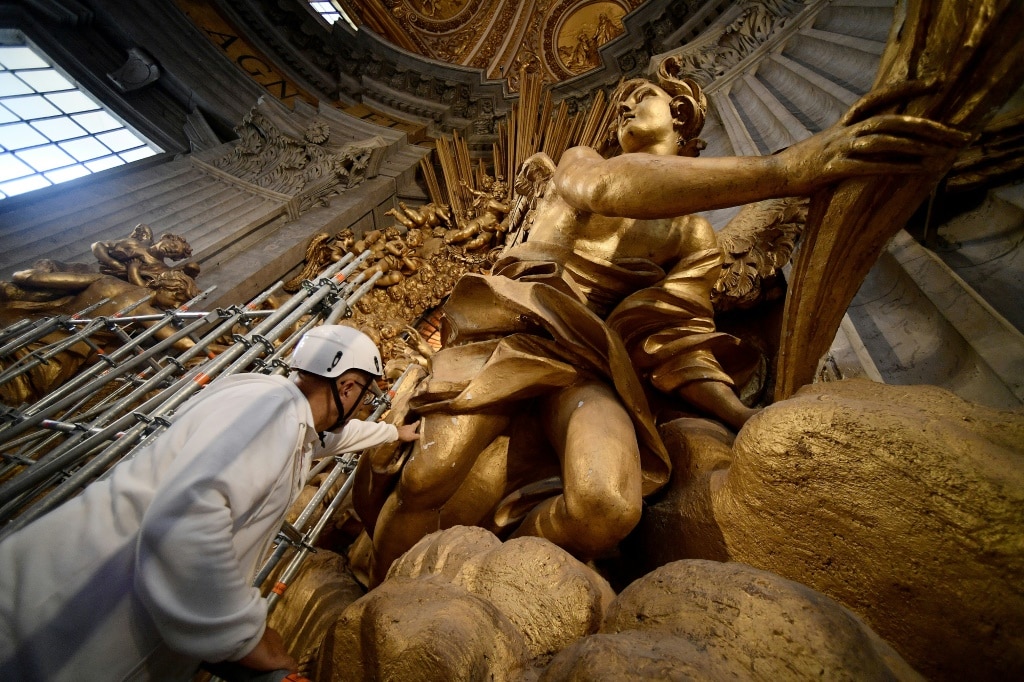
645 121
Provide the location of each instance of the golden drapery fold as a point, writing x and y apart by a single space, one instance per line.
535 326
669 329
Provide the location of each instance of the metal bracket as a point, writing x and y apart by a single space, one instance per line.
293 537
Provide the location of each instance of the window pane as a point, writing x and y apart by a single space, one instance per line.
72 102
103 164
20 58
136 154
11 167
65 174
12 85
330 12
6 115
59 128
327 11
97 121
19 136
24 185
45 81
31 107
84 149
119 140
45 158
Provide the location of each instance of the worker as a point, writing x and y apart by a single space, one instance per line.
149 571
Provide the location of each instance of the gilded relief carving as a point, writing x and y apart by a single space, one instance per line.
438 9
571 35
558 38
585 31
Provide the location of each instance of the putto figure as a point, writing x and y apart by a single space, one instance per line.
139 259
610 296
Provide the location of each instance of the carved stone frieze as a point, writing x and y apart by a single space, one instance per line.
301 172
294 38
736 35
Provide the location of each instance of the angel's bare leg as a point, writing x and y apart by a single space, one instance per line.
440 461
718 398
596 441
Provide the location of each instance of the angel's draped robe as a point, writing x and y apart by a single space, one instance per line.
547 317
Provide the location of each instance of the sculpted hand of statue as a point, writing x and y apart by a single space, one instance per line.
880 145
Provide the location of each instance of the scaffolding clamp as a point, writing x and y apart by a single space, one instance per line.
294 537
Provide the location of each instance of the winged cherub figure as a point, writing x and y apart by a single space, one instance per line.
610 295
139 259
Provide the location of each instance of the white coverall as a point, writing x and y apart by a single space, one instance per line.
149 571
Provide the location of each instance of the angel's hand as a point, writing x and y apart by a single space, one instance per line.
880 145
880 100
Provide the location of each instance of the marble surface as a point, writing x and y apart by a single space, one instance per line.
922 324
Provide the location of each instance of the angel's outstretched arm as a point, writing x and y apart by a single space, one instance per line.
648 186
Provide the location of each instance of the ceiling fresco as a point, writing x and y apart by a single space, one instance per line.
558 39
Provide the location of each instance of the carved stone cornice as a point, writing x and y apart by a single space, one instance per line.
293 34
300 173
744 32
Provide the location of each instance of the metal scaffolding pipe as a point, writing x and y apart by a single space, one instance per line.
14 328
287 539
172 367
339 308
93 439
306 547
36 415
26 497
113 358
304 301
48 437
184 315
69 451
44 354
132 429
44 326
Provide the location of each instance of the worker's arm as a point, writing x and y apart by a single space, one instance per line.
358 435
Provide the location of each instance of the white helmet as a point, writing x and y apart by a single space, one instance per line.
332 349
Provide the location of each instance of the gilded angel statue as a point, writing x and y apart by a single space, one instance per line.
547 364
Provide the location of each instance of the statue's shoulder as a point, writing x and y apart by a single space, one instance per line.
694 233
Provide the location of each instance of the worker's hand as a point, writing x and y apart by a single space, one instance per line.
409 432
270 654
